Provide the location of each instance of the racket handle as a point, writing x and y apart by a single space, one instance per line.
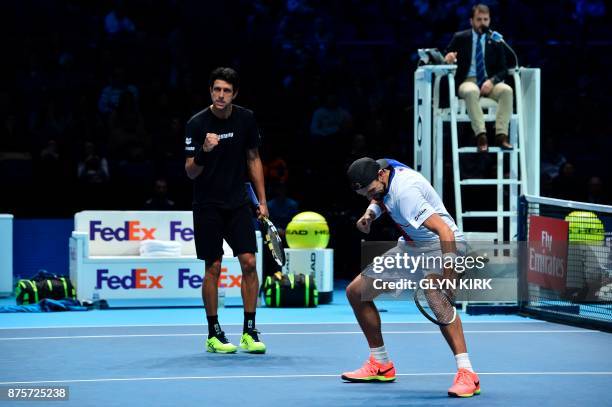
251 193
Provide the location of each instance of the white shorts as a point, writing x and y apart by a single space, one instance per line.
409 262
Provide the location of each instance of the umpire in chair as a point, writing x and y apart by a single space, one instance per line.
481 70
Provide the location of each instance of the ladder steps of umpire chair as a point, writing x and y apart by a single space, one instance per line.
489 107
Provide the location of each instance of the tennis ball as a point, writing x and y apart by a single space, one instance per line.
307 230
585 227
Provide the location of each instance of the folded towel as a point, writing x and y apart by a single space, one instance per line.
166 253
160 248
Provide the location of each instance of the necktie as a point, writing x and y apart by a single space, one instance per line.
480 64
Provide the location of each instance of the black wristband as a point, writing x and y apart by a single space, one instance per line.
199 157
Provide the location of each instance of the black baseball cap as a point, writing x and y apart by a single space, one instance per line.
364 170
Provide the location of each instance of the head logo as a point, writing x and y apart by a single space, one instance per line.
188 140
303 232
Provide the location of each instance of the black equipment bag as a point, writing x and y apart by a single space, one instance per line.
290 290
43 285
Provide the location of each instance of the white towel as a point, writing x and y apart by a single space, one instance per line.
160 248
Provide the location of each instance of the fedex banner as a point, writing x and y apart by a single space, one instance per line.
547 252
118 278
119 233
105 257
129 277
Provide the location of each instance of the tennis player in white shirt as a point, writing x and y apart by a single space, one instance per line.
421 217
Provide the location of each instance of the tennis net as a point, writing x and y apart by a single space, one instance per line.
566 269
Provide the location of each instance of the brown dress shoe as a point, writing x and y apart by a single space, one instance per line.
482 144
501 140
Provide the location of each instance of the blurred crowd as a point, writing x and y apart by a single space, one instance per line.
95 95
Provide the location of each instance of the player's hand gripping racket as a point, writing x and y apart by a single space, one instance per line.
271 236
436 303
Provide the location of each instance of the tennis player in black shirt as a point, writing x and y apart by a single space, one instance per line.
221 146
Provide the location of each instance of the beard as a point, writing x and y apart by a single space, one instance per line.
378 196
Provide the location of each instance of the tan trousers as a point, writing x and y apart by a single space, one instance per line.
501 93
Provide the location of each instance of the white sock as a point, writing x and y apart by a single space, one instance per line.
463 361
380 354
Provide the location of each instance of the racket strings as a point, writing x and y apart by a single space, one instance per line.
274 242
276 246
439 304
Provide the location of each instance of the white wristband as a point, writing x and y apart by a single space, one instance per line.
375 209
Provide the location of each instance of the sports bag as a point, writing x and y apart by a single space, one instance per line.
290 290
43 285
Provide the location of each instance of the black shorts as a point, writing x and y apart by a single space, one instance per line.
211 225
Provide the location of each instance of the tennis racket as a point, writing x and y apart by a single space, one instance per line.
271 237
436 304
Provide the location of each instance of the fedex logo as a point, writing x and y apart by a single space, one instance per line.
138 279
185 234
130 231
195 281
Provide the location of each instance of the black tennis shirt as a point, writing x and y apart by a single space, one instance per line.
221 183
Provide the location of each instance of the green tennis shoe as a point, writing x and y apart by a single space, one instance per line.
250 342
220 344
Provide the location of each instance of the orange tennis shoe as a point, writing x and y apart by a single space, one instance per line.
371 371
466 384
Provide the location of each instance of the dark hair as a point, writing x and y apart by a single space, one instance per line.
225 74
481 8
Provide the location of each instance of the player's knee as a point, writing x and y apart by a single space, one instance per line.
213 268
248 264
353 291
349 293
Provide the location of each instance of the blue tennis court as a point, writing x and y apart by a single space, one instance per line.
122 357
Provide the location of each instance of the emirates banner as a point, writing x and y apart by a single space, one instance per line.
547 252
